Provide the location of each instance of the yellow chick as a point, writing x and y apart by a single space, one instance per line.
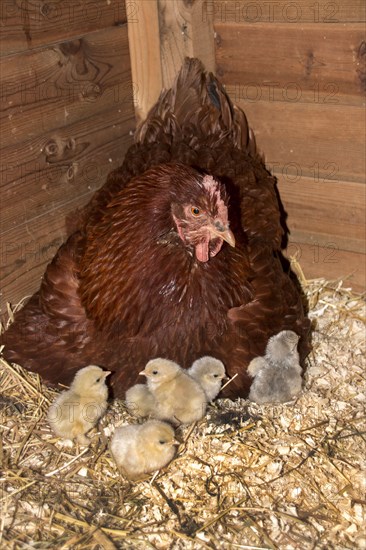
178 397
209 373
78 409
140 401
143 448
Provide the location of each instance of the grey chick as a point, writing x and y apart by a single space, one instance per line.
75 411
277 375
143 448
178 397
209 373
140 401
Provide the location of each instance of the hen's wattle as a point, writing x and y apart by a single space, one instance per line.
152 271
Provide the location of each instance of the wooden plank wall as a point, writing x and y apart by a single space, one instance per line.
66 120
298 70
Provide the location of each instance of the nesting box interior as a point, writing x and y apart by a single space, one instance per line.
77 77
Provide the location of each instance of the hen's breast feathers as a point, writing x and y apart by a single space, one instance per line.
135 264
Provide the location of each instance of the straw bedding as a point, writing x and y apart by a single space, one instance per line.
247 476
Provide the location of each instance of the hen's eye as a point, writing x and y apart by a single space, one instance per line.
195 211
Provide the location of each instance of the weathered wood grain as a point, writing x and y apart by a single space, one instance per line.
27 249
282 11
310 140
186 30
26 25
56 168
60 84
34 212
164 33
326 211
144 46
322 64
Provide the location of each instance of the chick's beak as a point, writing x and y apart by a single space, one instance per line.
218 230
143 373
107 373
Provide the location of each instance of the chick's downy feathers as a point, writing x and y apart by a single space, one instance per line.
177 255
77 410
143 448
140 401
178 397
277 375
209 373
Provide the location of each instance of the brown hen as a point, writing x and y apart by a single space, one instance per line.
176 256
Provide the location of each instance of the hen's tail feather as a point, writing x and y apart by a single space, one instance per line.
197 106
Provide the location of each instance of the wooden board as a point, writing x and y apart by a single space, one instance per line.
164 33
316 141
186 30
60 84
283 11
26 25
26 250
318 64
143 35
34 227
330 213
59 166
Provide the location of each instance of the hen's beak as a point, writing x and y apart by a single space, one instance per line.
219 230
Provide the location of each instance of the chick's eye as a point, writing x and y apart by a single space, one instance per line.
162 442
195 211
155 372
98 380
216 375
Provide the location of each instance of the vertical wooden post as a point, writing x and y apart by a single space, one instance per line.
186 29
161 35
144 43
